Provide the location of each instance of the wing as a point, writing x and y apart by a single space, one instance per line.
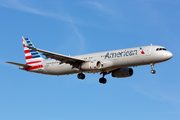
75 62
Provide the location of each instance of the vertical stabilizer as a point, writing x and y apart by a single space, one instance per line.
32 57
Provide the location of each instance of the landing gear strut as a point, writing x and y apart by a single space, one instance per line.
81 76
152 66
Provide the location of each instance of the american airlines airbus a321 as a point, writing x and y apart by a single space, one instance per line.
116 62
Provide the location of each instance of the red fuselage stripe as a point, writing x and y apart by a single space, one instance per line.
34 67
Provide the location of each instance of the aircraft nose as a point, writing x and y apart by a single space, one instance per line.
169 55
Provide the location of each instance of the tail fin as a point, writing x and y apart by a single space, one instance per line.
32 57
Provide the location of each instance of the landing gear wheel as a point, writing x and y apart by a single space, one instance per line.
103 80
153 71
81 76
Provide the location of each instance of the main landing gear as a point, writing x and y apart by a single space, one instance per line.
152 66
81 76
101 80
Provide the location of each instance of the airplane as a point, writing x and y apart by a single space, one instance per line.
116 62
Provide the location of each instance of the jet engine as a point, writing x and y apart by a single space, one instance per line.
123 72
91 65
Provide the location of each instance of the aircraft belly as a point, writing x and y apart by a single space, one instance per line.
61 69
132 61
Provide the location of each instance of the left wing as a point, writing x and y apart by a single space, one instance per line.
75 62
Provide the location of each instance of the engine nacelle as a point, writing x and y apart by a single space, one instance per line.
91 65
123 72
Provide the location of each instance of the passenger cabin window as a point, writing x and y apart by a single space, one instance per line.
159 49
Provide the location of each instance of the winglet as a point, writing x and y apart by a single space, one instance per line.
24 41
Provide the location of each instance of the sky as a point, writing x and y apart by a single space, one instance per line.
87 26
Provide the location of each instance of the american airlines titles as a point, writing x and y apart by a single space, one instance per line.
121 54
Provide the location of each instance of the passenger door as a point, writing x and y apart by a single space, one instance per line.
148 50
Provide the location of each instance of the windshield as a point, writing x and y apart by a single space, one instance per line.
159 49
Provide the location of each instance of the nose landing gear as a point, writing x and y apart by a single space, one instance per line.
152 66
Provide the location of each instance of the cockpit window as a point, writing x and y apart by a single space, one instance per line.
164 48
159 49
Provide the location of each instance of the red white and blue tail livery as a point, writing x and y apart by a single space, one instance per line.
33 58
116 62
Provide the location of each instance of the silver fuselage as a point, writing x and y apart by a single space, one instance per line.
121 58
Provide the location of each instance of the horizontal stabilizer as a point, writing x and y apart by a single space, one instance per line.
18 64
